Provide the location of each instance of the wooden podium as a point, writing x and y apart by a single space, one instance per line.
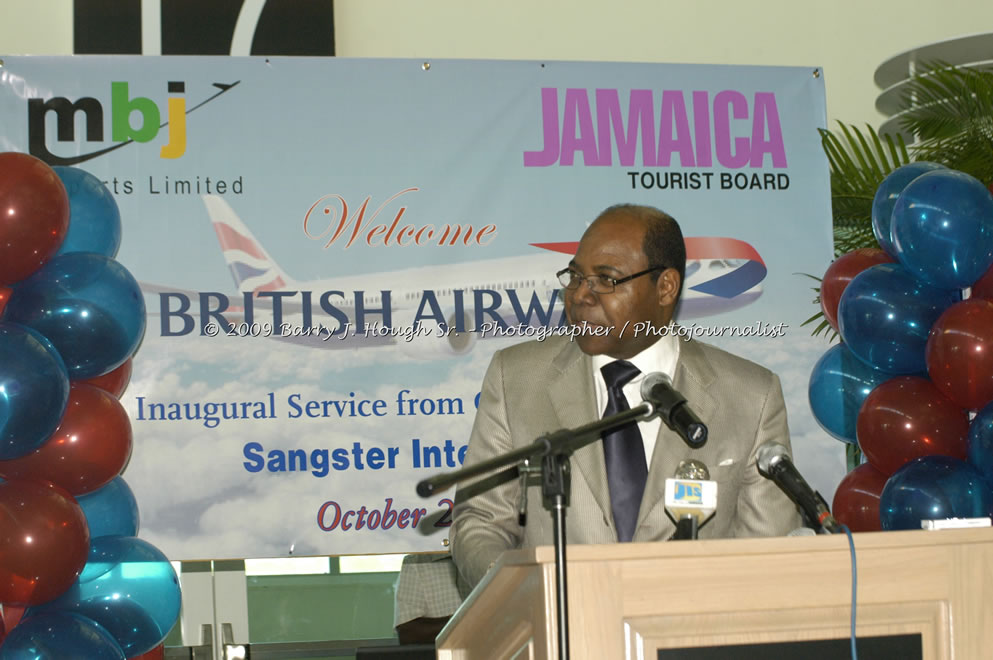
635 600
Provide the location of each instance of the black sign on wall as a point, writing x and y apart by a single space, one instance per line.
196 27
881 647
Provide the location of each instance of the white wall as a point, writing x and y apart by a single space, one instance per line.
35 27
847 38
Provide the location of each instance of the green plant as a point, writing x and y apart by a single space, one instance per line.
859 162
950 110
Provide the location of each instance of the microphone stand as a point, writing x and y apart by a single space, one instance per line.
686 529
554 449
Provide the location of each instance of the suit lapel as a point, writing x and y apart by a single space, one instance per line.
574 402
693 379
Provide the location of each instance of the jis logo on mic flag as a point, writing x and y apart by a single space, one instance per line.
689 492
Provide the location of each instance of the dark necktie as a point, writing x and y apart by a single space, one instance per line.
624 452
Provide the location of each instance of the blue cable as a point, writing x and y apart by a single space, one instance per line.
851 547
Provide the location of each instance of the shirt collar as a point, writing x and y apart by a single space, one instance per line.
661 356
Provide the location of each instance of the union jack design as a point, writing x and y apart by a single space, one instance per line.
251 266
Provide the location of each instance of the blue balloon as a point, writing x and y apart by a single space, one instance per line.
981 442
59 635
885 315
839 383
111 510
131 590
94 219
884 200
933 488
942 228
34 390
88 305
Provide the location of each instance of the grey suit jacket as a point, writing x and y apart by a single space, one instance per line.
537 387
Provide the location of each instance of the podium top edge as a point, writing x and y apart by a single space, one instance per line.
749 546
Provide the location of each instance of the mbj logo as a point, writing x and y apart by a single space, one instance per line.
137 119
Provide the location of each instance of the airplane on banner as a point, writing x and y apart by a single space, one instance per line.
459 302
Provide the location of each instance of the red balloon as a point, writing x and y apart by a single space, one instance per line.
5 293
12 615
856 500
959 353
90 447
115 381
983 287
841 272
158 653
906 418
44 541
34 215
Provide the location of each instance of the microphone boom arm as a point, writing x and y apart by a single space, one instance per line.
557 442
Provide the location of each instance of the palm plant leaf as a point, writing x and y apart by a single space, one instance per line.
950 110
859 162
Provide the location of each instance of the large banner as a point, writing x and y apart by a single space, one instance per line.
331 250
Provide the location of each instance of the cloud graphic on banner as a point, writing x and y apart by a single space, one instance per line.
204 510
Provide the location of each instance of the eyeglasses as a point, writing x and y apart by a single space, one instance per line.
570 279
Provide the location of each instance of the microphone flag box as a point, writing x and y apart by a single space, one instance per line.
690 497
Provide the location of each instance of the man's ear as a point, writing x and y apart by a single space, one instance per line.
668 286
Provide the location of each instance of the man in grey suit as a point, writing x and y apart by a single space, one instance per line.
627 274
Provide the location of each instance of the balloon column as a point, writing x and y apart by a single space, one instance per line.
74 579
916 323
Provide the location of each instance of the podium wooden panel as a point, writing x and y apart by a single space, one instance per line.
629 600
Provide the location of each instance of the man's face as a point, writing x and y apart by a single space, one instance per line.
612 246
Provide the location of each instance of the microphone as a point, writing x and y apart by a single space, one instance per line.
690 498
774 462
671 406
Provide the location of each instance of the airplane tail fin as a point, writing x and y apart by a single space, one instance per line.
251 266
